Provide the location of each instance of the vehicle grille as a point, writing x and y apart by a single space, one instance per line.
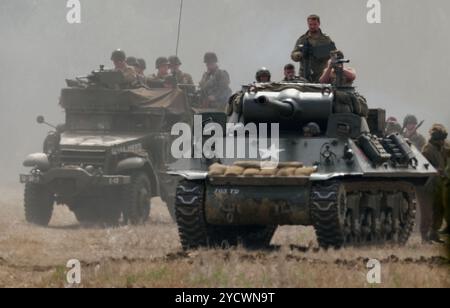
78 157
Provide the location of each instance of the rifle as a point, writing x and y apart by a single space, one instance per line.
415 129
307 51
338 66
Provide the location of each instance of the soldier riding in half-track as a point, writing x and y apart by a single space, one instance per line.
335 170
110 156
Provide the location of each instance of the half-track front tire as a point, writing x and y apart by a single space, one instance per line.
136 199
39 203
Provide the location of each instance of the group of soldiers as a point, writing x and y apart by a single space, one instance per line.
214 87
319 59
434 198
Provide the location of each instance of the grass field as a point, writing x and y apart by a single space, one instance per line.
151 256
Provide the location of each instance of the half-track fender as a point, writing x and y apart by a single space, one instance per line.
132 164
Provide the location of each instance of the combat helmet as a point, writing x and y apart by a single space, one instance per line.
410 119
161 61
210 57
174 60
261 73
132 61
142 64
118 55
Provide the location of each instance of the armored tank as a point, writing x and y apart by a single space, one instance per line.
334 169
111 155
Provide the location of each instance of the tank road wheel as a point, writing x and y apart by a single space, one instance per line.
385 214
136 199
189 213
328 213
403 217
38 203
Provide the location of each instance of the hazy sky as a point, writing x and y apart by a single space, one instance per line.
402 63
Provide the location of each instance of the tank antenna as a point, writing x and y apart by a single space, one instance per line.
179 26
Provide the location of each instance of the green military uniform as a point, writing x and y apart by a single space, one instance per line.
432 198
184 78
129 74
119 58
319 54
215 84
157 80
447 185
417 139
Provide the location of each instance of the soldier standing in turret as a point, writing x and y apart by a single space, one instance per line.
330 74
215 84
312 50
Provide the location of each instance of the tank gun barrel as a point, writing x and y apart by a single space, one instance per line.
286 109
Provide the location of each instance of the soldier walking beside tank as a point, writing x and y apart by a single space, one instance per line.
215 84
410 131
431 198
118 58
312 50
336 72
446 231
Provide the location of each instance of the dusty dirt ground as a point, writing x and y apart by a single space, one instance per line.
151 256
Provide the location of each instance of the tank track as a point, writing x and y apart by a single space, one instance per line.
189 214
195 232
326 215
353 214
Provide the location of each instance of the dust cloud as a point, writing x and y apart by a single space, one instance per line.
402 63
